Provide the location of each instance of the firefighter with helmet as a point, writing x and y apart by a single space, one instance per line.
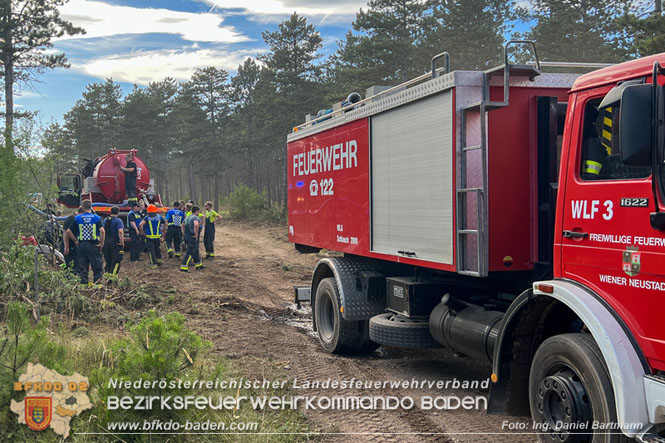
153 228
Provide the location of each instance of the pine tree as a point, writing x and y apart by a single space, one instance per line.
210 90
94 122
244 113
293 53
190 138
387 46
292 72
576 30
644 29
27 28
471 31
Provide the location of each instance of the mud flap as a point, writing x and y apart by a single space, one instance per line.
349 272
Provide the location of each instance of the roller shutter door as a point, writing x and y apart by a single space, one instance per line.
412 179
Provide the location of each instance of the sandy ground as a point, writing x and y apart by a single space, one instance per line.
243 302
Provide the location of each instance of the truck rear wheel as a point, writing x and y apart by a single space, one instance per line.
570 390
401 332
335 334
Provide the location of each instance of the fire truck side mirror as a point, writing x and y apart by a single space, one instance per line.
635 129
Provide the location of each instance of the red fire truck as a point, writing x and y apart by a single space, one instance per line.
512 215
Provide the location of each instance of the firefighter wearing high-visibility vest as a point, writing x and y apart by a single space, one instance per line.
174 219
153 228
211 216
598 147
88 231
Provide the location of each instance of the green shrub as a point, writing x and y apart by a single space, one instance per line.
155 348
247 204
22 343
57 287
162 348
158 348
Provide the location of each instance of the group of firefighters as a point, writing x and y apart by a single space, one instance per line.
86 237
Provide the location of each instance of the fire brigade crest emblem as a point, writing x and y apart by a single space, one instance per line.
631 261
38 412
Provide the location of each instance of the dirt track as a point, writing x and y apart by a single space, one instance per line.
242 302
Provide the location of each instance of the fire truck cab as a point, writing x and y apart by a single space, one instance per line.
515 216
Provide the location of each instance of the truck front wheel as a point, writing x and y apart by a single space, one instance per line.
335 334
570 391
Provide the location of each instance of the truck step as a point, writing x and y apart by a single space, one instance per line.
490 106
655 434
473 107
467 272
515 71
487 106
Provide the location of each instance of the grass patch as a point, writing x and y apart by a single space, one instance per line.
158 347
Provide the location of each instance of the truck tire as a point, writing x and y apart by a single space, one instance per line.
569 382
336 335
402 332
364 344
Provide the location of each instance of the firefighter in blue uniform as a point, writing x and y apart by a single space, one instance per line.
153 228
87 229
115 242
191 231
174 219
134 218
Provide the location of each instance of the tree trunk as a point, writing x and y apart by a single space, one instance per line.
190 173
167 194
180 188
283 178
658 7
7 59
216 184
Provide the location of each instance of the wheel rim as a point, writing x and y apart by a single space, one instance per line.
396 318
326 318
563 406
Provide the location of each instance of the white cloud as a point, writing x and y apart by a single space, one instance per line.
270 11
144 67
27 93
103 20
311 7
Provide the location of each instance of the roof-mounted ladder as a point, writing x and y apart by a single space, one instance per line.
471 199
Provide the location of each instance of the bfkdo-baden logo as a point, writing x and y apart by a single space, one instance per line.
38 412
51 399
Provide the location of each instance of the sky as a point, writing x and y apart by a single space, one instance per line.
139 41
